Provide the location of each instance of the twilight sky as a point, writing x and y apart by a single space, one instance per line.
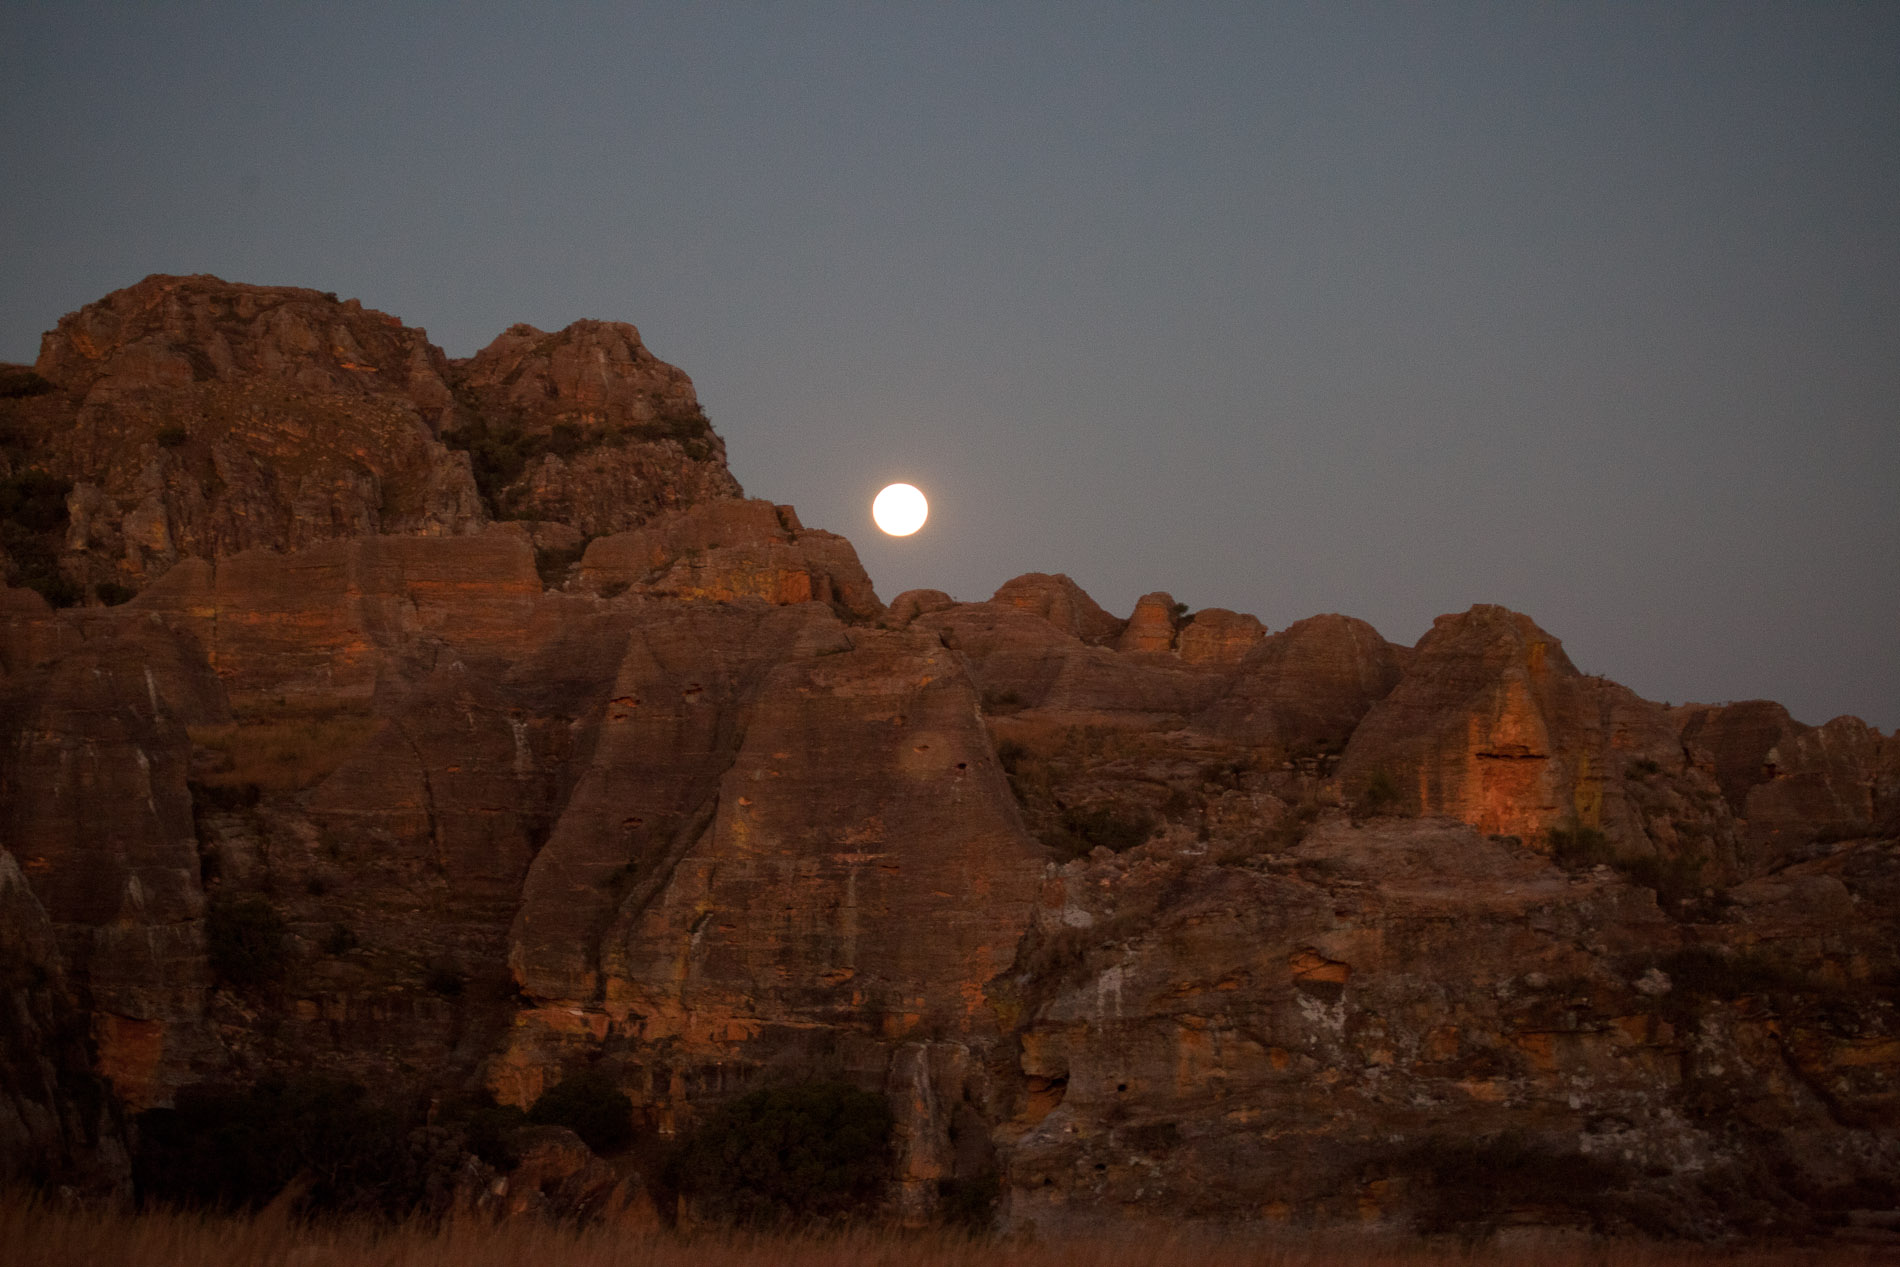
1592 310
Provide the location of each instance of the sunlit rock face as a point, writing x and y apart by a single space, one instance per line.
1492 725
1173 917
618 435
196 417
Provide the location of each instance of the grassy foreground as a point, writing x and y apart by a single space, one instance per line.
37 1234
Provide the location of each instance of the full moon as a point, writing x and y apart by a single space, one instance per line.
900 510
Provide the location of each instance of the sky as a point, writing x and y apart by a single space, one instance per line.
1591 310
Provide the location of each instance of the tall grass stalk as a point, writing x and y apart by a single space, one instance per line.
36 1233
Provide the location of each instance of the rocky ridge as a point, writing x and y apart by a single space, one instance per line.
1157 918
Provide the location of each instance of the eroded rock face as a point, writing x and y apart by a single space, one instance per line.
1062 603
1158 919
730 550
1336 1032
1493 726
1308 686
58 1124
190 417
623 432
204 417
96 811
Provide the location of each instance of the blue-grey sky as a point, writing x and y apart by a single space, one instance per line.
1592 310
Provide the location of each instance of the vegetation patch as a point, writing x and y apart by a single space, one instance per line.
814 1153
32 520
970 1203
1083 828
589 1104
1675 880
18 382
281 747
1472 1187
231 1149
553 563
1004 702
499 453
1378 795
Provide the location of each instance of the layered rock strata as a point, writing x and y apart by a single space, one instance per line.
1149 919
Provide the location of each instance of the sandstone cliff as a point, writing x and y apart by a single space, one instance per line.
1158 918
188 417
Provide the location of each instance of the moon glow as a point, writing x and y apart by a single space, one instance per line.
900 510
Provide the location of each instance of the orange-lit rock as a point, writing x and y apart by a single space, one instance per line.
1099 906
1215 635
733 550
1151 627
1062 603
1307 686
1492 725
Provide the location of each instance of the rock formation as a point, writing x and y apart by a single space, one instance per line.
1167 918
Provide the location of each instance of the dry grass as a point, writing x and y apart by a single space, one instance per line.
283 745
36 1234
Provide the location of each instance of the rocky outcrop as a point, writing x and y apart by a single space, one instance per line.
1215 635
205 418
1307 687
731 550
1414 1023
605 434
1062 603
1166 918
1493 726
188 417
95 808
1734 740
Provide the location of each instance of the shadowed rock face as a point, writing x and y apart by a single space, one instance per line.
1165 918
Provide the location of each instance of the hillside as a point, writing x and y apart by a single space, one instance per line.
449 728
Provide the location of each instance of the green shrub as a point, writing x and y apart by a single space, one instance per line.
589 1104
1472 1185
1576 847
244 938
56 589
817 1152
1675 880
1083 828
1009 755
970 1203
1379 795
35 500
1705 972
552 564
491 1132
18 382
231 1149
